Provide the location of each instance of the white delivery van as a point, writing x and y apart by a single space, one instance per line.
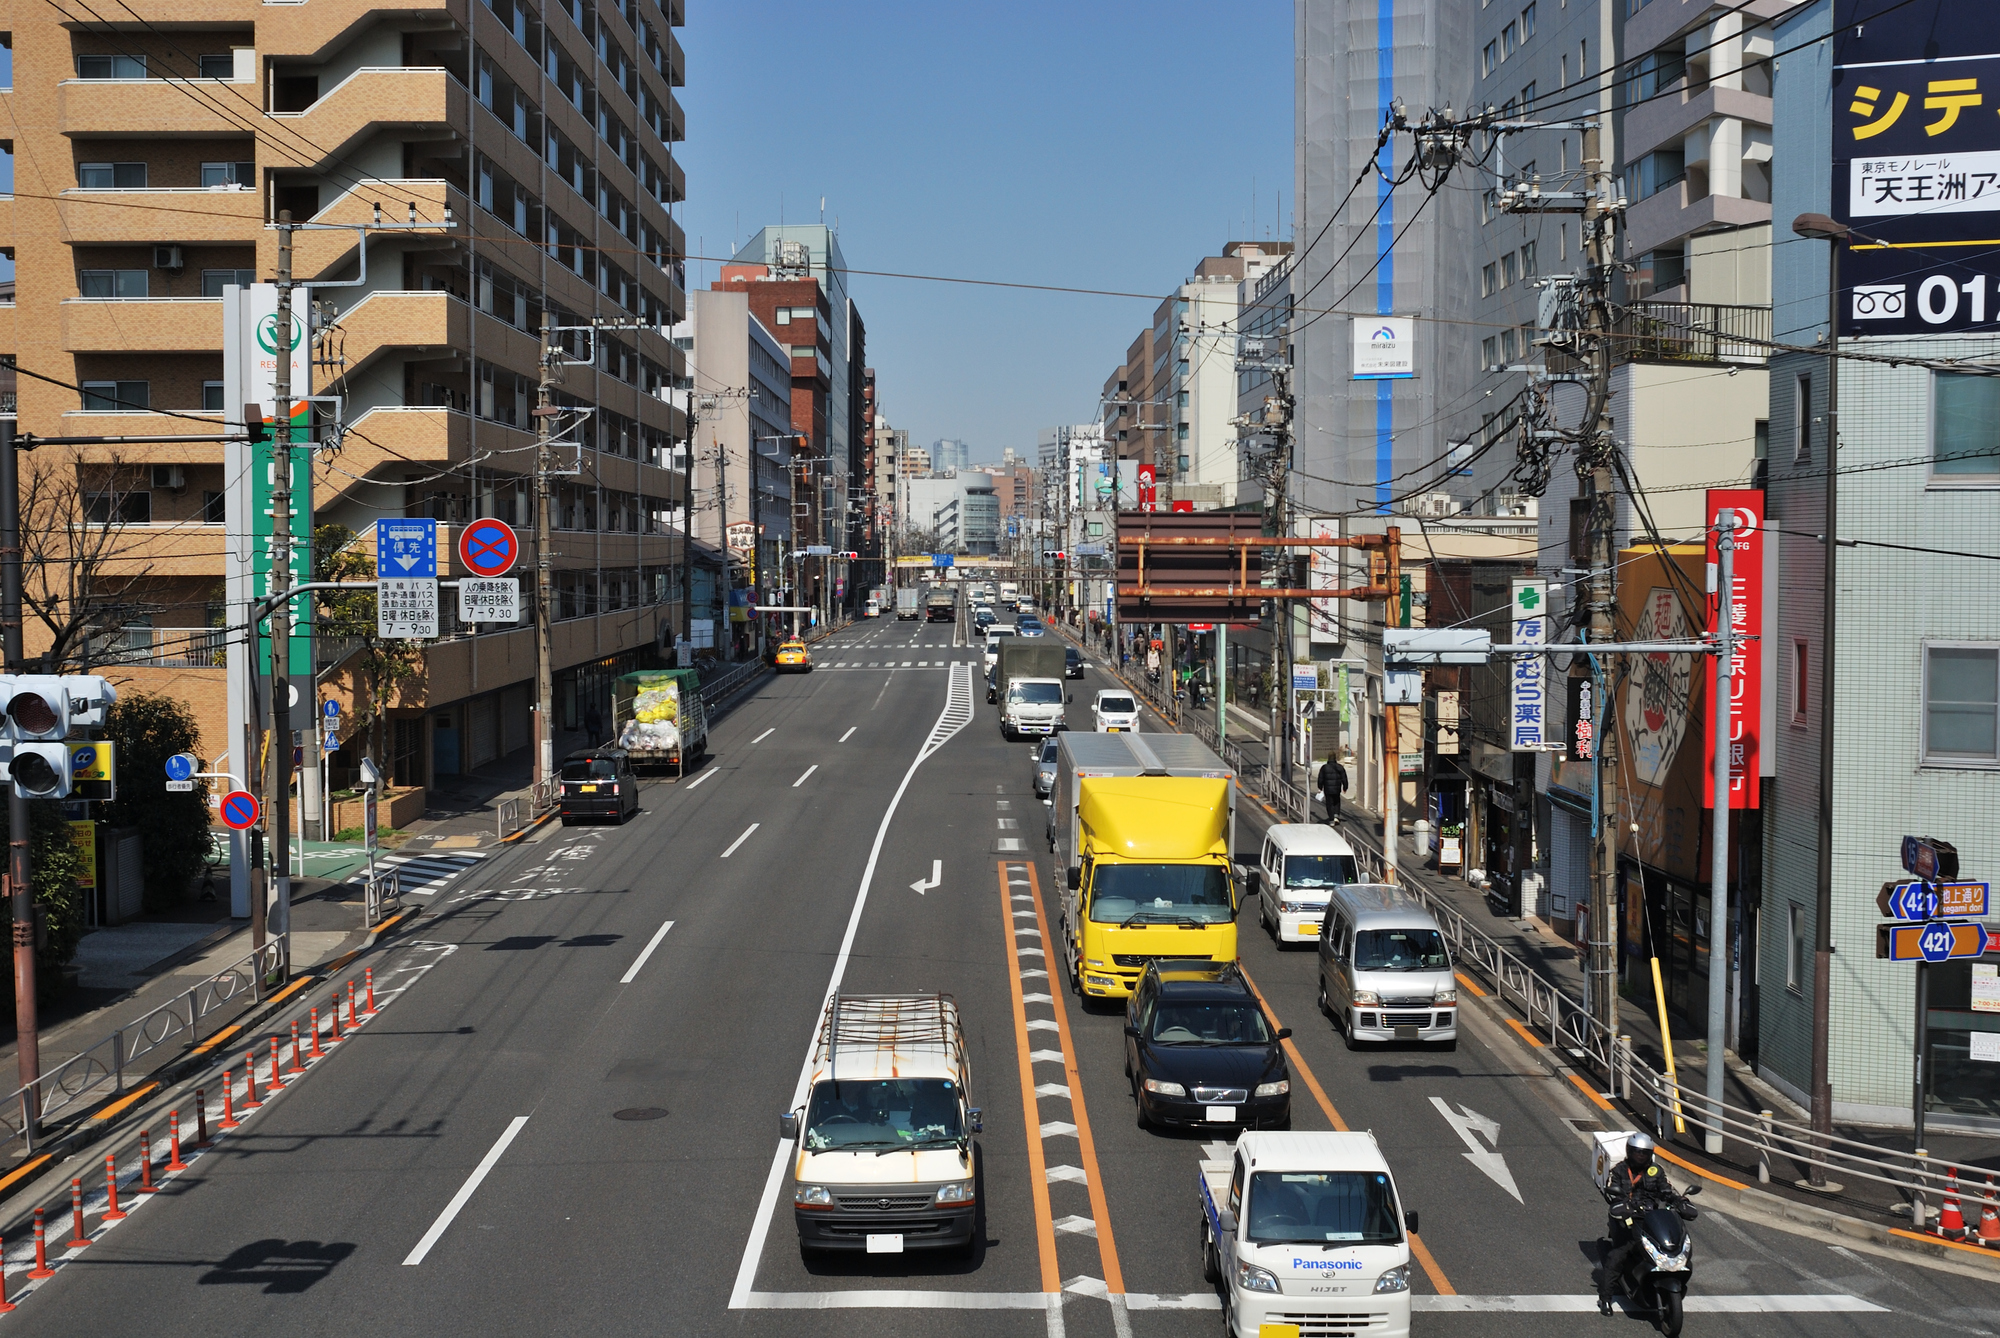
1384 969
1300 866
1305 1231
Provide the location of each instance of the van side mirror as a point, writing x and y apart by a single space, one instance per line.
1075 879
1284 1033
1410 1221
976 1118
1069 699
788 1125
1131 1031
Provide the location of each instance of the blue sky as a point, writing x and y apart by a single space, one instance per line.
991 142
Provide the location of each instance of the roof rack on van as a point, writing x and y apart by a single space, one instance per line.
889 1022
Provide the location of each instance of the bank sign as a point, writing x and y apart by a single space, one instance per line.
1916 164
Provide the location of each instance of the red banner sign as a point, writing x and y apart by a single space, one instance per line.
1746 665
1149 493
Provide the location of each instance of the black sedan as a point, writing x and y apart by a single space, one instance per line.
1200 1054
1072 662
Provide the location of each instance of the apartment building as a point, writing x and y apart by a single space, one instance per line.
151 158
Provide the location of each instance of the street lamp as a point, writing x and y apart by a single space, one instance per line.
1819 227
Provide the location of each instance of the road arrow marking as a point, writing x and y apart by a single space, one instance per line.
1465 1122
937 876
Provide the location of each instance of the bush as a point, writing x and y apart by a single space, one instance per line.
148 728
58 902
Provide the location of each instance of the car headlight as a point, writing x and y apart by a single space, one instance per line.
1300 907
1396 1279
1254 1279
1278 1088
958 1191
1445 997
1160 1087
1366 999
812 1196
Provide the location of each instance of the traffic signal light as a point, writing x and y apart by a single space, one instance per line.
40 770
41 709
254 427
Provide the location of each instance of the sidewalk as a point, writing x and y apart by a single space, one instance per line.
1558 961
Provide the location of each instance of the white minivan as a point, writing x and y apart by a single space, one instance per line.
1385 970
1301 865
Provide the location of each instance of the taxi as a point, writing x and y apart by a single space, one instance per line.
792 655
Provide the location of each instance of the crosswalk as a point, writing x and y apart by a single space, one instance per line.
424 875
932 663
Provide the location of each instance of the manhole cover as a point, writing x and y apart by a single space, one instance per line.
640 1113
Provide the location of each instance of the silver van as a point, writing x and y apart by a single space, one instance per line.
1384 971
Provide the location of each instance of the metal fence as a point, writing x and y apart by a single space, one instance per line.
510 817
382 895
1695 332
98 1071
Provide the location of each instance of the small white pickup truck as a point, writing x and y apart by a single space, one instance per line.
1304 1230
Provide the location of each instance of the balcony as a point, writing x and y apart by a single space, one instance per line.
396 437
142 324
1704 332
373 99
1651 125
1668 215
429 324
154 108
310 29
191 216
318 252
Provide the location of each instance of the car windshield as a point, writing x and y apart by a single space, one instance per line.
1399 950
1035 694
589 768
883 1114
1162 893
1116 705
993 634
1049 749
1210 1024
1343 1207
1319 870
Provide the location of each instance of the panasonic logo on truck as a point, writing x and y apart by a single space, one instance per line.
1326 1265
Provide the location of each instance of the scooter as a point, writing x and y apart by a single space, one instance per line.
1656 1280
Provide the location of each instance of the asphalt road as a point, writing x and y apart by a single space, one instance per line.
543 996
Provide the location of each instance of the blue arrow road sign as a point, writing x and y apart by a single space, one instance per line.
406 548
1936 941
180 767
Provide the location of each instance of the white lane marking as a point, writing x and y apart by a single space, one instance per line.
464 1195
802 780
765 735
1070 1173
955 716
701 779
1464 1122
937 876
893 1300
1803 1304
741 839
850 733
644 953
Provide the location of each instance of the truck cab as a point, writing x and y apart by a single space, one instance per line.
1306 1231
1032 707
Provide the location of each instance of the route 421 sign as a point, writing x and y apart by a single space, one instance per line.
489 600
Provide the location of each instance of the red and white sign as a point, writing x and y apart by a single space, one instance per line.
1181 506
1746 663
1149 493
1201 627
488 547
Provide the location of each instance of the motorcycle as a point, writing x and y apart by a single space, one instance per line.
1656 1279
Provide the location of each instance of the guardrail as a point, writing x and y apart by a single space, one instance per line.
382 893
725 683
509 818
99 1069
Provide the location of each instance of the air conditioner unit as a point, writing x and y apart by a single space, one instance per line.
168 258
1433 506
170 476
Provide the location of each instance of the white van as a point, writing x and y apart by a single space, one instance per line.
1301 865
1306 1234
1384 970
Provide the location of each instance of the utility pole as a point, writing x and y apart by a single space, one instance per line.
1392 738
545 692
687 530
1718 861
20 881
271 912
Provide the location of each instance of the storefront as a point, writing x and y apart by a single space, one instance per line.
1962 1033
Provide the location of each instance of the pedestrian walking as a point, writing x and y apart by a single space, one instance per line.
1332 784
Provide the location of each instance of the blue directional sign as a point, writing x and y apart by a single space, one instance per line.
330 709
181 767
1936 942
406 548
1911 901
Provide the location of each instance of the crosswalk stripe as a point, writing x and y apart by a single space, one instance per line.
425 874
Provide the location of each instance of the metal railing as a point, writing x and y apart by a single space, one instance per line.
1695 332
727 682
161 647
99 1069
544 794
510 817
382 894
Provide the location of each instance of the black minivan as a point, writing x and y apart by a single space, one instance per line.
599 783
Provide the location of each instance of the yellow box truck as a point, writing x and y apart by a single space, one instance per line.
1141 826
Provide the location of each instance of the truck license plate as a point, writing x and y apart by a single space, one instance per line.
885 1243
1221 1115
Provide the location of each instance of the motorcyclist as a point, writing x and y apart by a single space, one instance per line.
1633 1186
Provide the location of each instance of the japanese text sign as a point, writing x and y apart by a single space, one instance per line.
1745 605
1528 675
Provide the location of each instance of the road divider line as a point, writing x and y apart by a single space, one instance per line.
765 735
1038 1178
704 776
647 951
1524 1033
850 733
741 839
1298 1060
465 1191
802 780
1100 1207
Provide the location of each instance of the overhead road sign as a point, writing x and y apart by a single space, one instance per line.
1934 901
1929 858
239 810
1436 645
1934 941
487 547
406 548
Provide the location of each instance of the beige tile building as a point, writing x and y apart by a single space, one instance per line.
151 157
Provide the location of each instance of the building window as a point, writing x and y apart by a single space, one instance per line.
1528 100
1657 171
213 508
1802 420
1510 269
1510 37
117 396
1795 948
122 508
111 283
213 281
1489 351
1489 280
1528 269
1662 269
1562 71
111 67
1507 346
229 174
1965 428
1961 704
1527 23
111 176
211 397
1488 59
1801 683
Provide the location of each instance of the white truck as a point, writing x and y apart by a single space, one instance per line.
885 1161
1027 683
1305 1231
909 603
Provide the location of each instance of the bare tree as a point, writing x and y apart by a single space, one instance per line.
81 576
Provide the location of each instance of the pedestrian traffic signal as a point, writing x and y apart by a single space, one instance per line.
40 770
254 427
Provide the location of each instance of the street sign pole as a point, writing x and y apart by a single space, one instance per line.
1922 1051
1718 867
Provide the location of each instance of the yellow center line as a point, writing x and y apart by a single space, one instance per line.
1038 1173
1100 1208
1466 984
1299 1066
127 1101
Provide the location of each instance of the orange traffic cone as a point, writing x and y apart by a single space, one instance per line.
1989 1217
1951 1219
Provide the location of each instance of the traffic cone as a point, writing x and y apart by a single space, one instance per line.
1951 1218
1989 1217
